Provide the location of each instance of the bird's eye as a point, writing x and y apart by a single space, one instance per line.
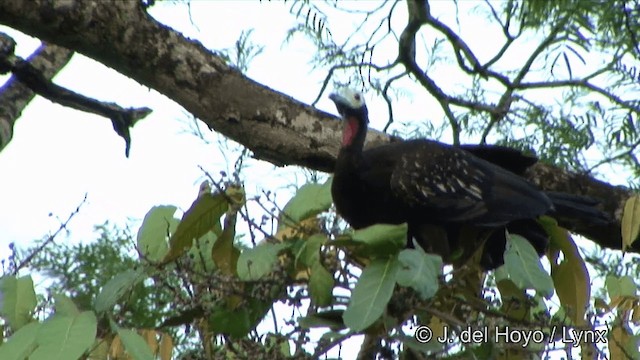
357 97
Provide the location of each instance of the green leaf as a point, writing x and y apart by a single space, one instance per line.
321 281
224 254
203 216
382 239
238 322
65 337
420 271
65 306
371 294
309 200
115 288
135 345
620 286
18 300
321 285
201 251
21 343
156 227
570 276
309 251
630 224
256 262
523 264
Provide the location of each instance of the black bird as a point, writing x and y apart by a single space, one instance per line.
443 192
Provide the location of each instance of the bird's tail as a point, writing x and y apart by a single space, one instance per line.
571 207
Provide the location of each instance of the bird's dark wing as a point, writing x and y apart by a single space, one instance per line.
507 158
447 184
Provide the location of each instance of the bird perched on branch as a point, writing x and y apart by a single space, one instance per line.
443 192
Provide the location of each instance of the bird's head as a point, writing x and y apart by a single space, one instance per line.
350 102
351 106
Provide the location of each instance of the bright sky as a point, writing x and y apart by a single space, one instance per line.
59 154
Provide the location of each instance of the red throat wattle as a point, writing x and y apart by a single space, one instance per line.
349 131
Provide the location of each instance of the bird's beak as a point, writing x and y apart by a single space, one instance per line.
341 102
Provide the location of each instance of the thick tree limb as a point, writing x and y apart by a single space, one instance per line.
37 81
14 96
277 128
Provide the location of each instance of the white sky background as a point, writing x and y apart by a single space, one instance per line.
58 154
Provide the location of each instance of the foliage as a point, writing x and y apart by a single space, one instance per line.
395 287
190 286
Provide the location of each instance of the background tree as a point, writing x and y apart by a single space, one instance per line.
581 56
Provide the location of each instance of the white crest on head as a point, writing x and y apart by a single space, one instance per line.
353 97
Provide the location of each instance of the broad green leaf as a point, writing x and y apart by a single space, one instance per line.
309 200
135 345
570 276
18 300
65 337
65 306
321 285
201 251
21 343
115 288
309 251
630 224
320 281
203 216
420 271
371 294
256 262
523 264
155 230
382 239
620 286
224 254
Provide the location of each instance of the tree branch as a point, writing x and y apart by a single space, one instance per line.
14 95
274 126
